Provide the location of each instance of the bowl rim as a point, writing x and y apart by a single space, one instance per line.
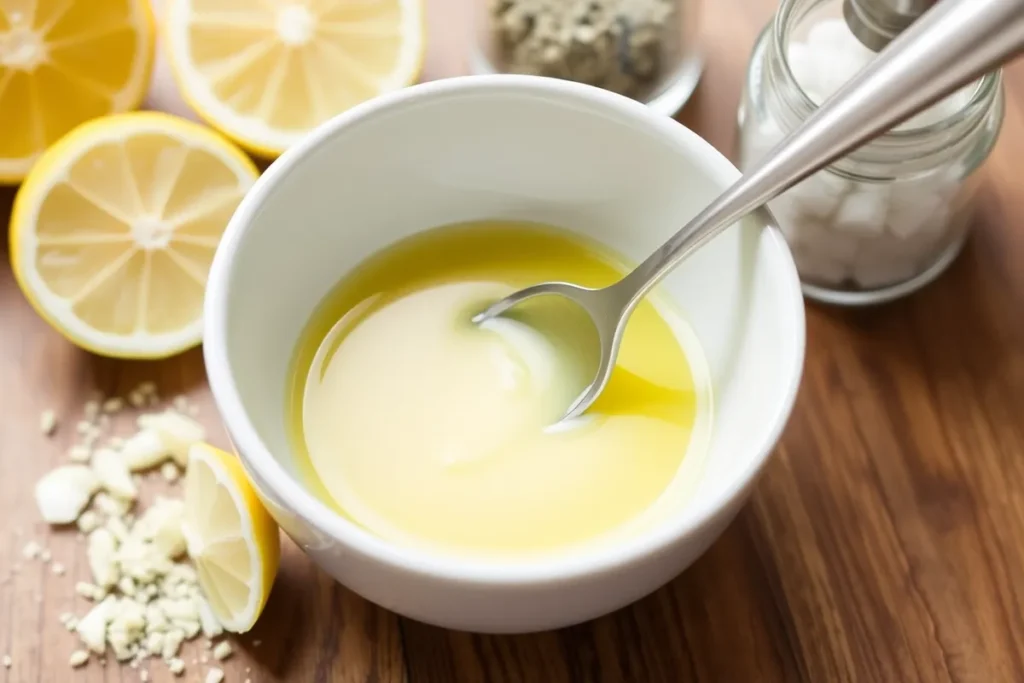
269 473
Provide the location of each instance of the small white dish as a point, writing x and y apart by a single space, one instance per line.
514 147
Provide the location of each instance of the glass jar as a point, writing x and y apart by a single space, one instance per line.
644 49
888 218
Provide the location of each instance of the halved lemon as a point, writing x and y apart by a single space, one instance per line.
231 537
265 72
114 229
63 62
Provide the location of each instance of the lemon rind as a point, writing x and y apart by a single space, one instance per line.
51 169
15 170
253 134
216 463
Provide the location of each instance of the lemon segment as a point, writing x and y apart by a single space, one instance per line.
231 537
266 72
63 62
113 232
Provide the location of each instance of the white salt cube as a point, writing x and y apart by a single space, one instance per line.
922 205
834 245
837 56
802 63
863 211
819 268
834 70
889 260
871 272
819 196
930 216
834 36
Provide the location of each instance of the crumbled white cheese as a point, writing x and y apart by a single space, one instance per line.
92 628
173 639
6 661
79 453
88 521
113 474
147 601
90 591
110 506
214 676
161 525
31 550
113 405
170 472
102 555
48 422
144 449
178 432
222 650
63 493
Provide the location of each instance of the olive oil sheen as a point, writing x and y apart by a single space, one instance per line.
435 433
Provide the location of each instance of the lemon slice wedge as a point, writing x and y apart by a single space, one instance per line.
266 72
231 537
114 229
63 62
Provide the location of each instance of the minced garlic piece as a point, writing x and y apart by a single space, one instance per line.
113 474
222 650
170 472
144 449
78 658
102 555
79 453
63 493
48 422
214 676
178 432
113 405
88 521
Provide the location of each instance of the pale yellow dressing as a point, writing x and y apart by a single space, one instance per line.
435 433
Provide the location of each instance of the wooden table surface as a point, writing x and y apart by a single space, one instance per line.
885 542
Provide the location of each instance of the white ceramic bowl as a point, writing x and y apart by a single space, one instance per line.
500 147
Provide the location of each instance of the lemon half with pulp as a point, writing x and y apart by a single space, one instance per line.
231 537
113 232
63 62
265 72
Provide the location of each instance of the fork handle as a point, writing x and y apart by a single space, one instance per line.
950 45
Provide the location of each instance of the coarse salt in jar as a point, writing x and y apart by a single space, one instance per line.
889 217
644 49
